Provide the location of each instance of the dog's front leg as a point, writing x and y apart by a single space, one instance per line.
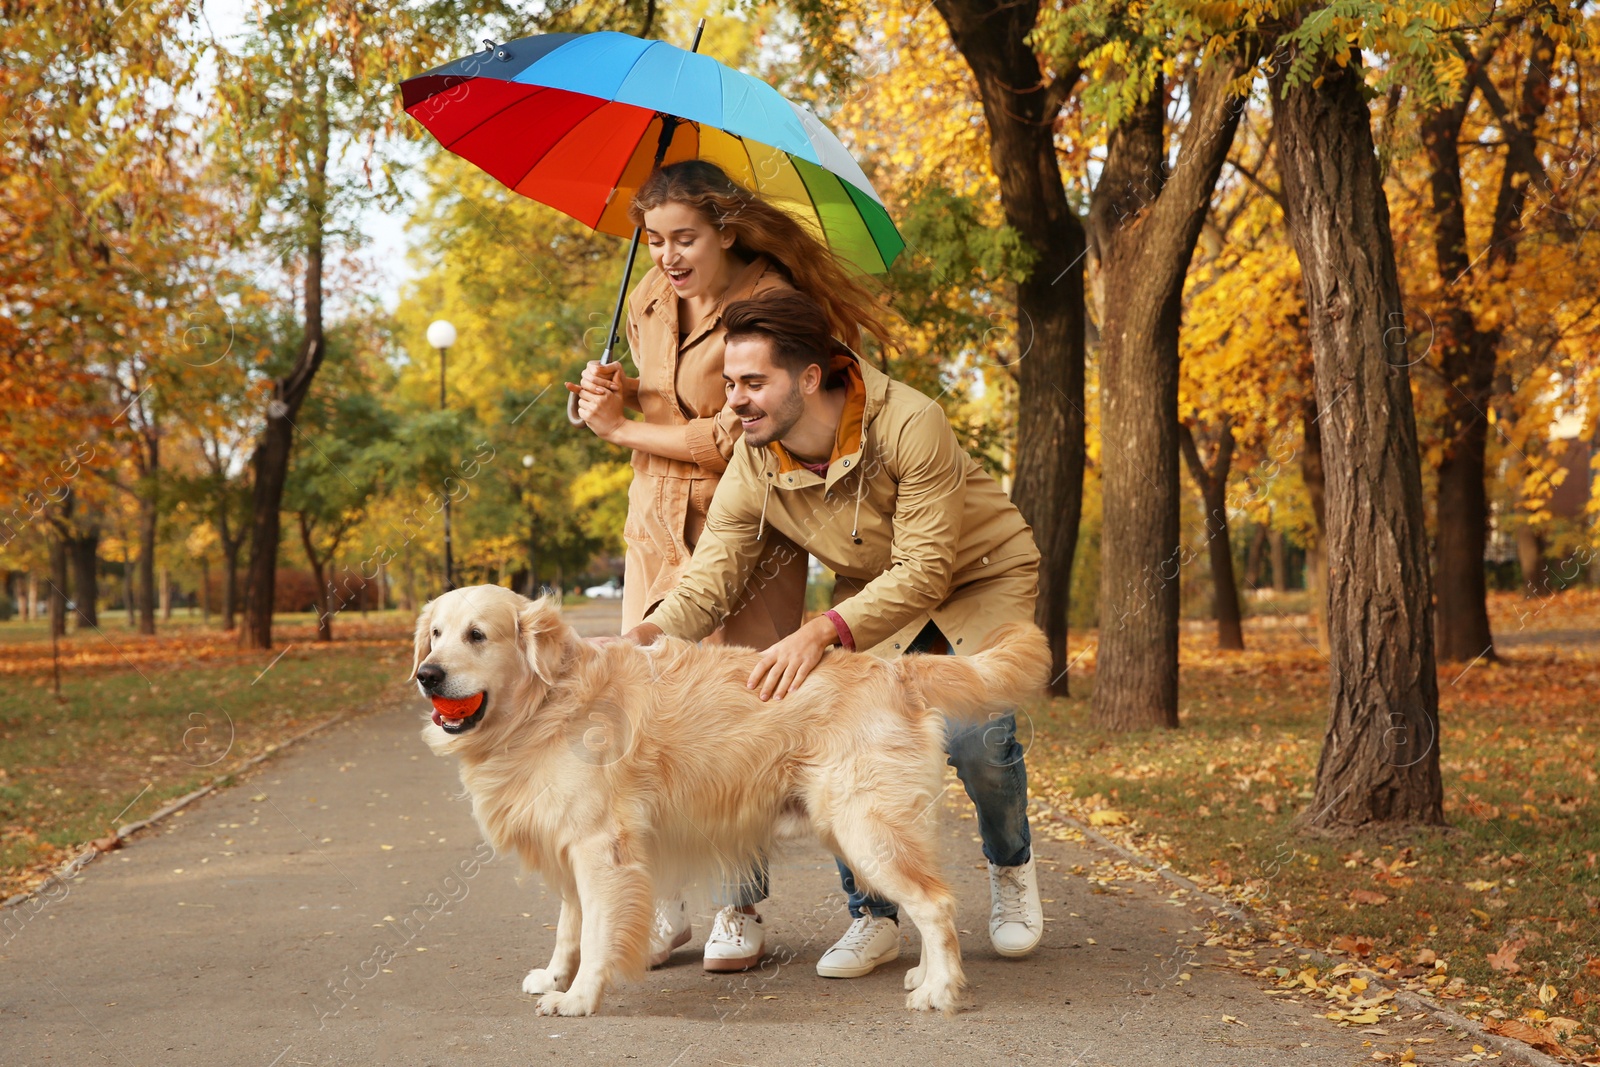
615 932
564 960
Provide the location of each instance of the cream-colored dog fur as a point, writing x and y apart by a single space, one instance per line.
616 771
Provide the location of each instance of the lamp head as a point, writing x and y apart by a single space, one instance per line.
441 334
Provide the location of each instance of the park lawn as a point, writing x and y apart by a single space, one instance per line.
142 720
1508 900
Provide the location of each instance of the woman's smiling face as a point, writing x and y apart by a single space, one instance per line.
689 249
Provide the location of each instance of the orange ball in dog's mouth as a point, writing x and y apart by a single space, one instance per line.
456 714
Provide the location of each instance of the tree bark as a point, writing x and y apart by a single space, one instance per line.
84 550
1253 556
1144 223
1380 756
324 601
270 462
1020 110
147 556
1316 552
230 578
58 585
1213 485
205 590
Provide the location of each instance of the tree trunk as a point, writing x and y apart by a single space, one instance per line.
58 585
270 462
1145 222
33 596
1316 555
85 552
1253 556
324 601
1380 756
1466 358
128 599
1467 353
205 590
166 595
1530 558
147 558
1020 112
1213 485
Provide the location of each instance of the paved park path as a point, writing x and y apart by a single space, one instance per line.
335 907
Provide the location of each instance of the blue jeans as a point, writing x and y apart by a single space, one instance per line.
989 761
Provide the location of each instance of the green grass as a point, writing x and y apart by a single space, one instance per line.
142 720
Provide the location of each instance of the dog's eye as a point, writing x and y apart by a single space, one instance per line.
436 631
476 635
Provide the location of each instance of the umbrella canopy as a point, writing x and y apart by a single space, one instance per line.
574 121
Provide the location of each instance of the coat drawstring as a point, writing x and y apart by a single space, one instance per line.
762 527
861 483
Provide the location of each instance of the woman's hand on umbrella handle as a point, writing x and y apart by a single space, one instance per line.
599 375
601 409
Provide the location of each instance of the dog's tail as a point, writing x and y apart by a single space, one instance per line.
1013 665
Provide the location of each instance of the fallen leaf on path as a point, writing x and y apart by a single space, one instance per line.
1107 817
1540 1038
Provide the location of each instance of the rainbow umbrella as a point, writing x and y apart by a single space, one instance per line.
579 121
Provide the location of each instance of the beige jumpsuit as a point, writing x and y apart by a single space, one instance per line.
680 384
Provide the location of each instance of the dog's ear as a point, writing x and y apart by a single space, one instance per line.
422 643
539 629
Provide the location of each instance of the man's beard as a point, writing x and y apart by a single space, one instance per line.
776 422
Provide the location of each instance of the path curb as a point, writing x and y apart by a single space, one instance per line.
1411 1001
76 864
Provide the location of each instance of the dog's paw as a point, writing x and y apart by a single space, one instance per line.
915 975
935 996
567 1004
540 980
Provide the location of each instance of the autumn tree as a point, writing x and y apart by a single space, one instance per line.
1244 374
1471 287
1380 757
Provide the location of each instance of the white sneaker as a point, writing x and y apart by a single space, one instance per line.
735 941
1016 918
671 932
870 942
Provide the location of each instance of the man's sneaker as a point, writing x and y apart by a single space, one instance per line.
735 941
870 942
1016 918
671 932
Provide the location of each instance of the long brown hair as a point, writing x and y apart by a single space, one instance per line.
763 229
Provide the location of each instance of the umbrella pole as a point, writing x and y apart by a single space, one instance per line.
669 126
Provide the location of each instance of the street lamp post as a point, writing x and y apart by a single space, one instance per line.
442 335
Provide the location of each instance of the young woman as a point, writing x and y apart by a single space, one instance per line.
712 242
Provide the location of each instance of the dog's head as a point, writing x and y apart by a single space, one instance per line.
479 653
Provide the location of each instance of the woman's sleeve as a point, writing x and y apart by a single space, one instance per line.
711 440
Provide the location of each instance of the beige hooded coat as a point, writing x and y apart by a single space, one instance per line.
911 525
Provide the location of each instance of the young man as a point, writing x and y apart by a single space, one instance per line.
865 474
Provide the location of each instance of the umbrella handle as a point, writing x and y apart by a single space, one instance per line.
572 398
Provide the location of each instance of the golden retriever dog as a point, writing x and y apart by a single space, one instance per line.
621 773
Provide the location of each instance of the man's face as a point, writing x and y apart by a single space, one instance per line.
765 396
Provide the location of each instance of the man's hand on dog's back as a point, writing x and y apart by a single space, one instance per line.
782 666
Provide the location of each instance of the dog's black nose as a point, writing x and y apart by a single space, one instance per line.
430 675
